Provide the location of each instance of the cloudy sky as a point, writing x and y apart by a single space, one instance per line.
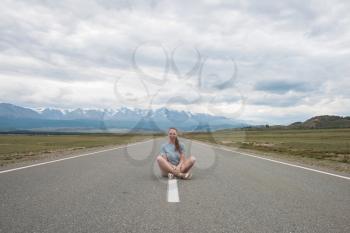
269 61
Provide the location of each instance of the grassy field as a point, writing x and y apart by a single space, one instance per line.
14 148
318 144
331 147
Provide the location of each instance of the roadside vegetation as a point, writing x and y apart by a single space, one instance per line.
19 147
331 147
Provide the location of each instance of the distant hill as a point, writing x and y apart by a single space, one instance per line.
323 122
14 118
317 122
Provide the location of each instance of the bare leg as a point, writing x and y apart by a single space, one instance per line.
164 165
186 166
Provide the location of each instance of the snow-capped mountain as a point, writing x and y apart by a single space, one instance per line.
14 117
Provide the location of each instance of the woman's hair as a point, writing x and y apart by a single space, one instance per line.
177 144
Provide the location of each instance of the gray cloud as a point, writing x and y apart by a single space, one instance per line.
289 54
282 86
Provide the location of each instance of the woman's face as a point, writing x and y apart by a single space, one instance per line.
172 134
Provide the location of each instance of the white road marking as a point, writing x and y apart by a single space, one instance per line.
275 161
173 193
72 157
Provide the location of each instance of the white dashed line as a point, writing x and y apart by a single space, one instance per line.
173 193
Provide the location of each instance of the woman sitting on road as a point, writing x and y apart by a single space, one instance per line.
171 159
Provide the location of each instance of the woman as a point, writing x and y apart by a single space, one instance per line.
172 159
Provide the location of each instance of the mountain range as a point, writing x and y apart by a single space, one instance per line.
13 118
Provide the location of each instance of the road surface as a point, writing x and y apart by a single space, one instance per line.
121 190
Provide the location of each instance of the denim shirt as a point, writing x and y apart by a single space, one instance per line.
168 149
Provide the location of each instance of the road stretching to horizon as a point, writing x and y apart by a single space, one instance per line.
120 190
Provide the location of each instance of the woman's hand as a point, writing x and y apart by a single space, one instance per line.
178 167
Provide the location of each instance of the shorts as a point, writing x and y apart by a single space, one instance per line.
164 156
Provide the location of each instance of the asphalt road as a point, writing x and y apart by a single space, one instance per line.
121 191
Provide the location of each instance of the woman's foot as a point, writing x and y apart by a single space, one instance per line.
170 175
186 176
177 173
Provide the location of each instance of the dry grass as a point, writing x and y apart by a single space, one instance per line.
14 148
330 147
